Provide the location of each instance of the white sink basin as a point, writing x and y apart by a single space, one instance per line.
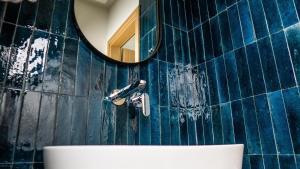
144 157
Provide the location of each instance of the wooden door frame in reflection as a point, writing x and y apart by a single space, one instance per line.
130 28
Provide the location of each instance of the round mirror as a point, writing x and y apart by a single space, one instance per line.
126 31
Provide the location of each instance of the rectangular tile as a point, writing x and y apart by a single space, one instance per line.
163 84
221 80
169 44
281 127
212 9
60 14
246 22
217 125
272 15
227 124
216 38
79 115
199 45
174 124
44 15
287 161
155 125
207 39
12 12
165 126
256 162
27 13
288 12
121 125
191 123
183 124
208 127
203 10
200 128
258 17
271 161
225 32
235 27
212 82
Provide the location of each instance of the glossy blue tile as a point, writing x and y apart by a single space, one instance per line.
221 79
175 15
246 162
292 106
7 34
265 125
163 84
208 127
155 126
10 114
268 65
199 45
201 85
225 32
230 2
25 145
27 13
272 15
53 64
22 166
246 22
282 57
183 124
200 129
258 17
12 12
194 5
221 5
227 124
251 126
287 161
169 44
182 15
191 123
178 46
238 124
255 69
79 115
71 31
93 118
281 127
212 9
185 48
46 125
165 126
83 70
172 77
121 125
59 17
243 72
36 61
212 82
63 120
217 125
216 38
232 76
67 81
207 39
271 161
235 27
288 12
167 11
256 162
44 15
293 38
203 10
174 125
192 48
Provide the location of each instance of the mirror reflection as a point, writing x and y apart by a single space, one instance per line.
122 30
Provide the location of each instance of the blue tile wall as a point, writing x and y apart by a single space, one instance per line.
227 71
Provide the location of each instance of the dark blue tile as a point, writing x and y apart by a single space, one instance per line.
200 129
195 13
221 5
24 150
216 38
38 166
235 27
155 125
22 166
293 38
292 105
230 2
185 48
181 13
207 39
298 161
297 4
183 122
288 12
212 9
281 128
272 15
60 14
238 124
175 15
265 125
174 125
192 48
172 77
54 58
44 15
212 82
121 125
178 46
268 65
7 34
145 129
258 17
246 22
225 32
36 61
12 12
243 72
246 162
227 123
232 76
163 84
271 161
217 125
199 44
255 69
251 126
167 11
10 110
221 80
256 162
169 44
16 66
83 70
27 13
165 126
287 162
67 85
203 10
282 57
71 30
208 127
191 122
79 115
94 114
202 91
2 9
46 125
63 120
153 82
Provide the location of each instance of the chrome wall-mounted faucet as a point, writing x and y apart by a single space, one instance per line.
133 95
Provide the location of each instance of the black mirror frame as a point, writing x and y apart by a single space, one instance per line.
96 51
